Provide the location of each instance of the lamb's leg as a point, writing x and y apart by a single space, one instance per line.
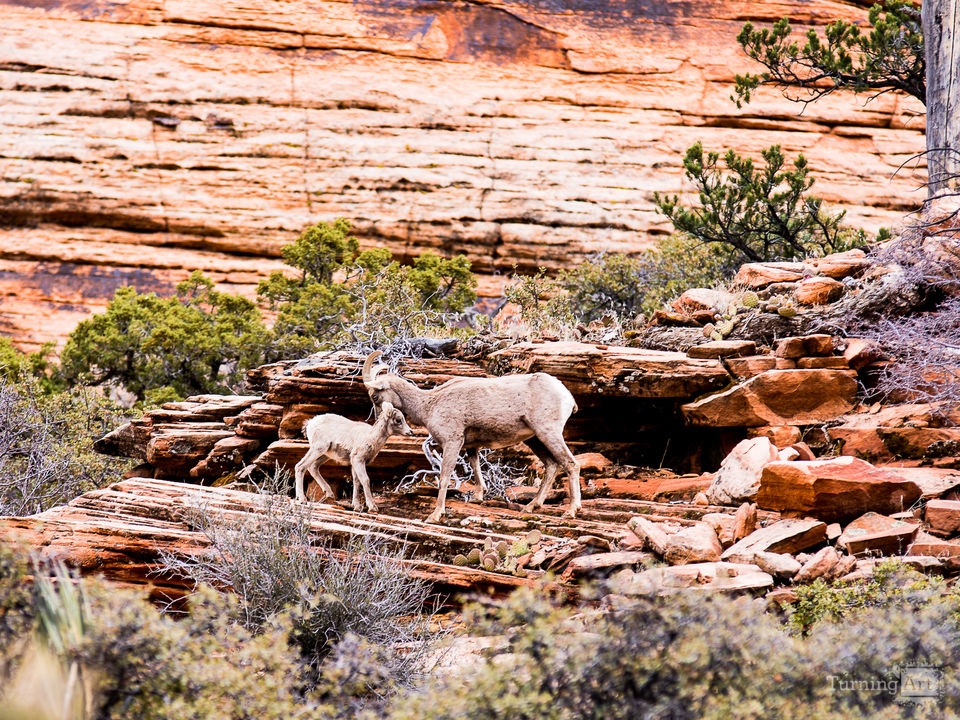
474 458
361 479
301 468
321 481
451 451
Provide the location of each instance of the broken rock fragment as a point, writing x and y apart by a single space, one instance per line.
836 489
738 478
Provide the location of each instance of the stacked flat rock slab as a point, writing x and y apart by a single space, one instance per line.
120 531
209 437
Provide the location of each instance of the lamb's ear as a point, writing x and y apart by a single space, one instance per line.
386 407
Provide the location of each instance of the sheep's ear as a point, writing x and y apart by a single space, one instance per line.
387 407
376 385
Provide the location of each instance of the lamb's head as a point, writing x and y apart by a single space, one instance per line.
378 384
395 420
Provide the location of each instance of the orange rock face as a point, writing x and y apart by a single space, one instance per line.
144 139
837 489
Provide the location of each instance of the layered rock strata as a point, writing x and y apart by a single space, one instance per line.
141 139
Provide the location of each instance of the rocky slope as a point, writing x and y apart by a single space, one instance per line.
141 139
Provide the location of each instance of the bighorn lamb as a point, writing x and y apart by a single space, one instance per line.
474 413
347 442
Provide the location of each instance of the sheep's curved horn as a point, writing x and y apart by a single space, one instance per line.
368 374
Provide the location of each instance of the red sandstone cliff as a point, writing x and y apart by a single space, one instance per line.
142 139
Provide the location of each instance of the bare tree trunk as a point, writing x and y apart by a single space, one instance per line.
941 33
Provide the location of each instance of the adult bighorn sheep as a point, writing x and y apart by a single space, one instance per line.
348 442
473 413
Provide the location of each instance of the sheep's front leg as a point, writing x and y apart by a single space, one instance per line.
474 458
361 479
451 451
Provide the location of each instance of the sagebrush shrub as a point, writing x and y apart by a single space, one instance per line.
693 656
274 563
46 446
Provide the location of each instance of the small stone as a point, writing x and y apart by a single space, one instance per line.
784 536
694 544
745 521
777 564
943 516
805 345
860 352
654 537
723 525
782 596
723 349
875 534
701 499
747 367
824 564
780 435
818 291
738 478
839 265
699 299
835 362
760 275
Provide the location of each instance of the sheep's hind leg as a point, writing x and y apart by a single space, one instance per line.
550 468
555 454
474 458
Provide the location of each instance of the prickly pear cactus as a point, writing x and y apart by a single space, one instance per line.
502 549
473 557
460 560
788 310
750 299
519 548
533 537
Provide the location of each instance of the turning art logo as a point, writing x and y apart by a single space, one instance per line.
920 681
907 684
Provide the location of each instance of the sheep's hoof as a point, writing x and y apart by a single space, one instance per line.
373 509
357 508
434 517
530 507
571 513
